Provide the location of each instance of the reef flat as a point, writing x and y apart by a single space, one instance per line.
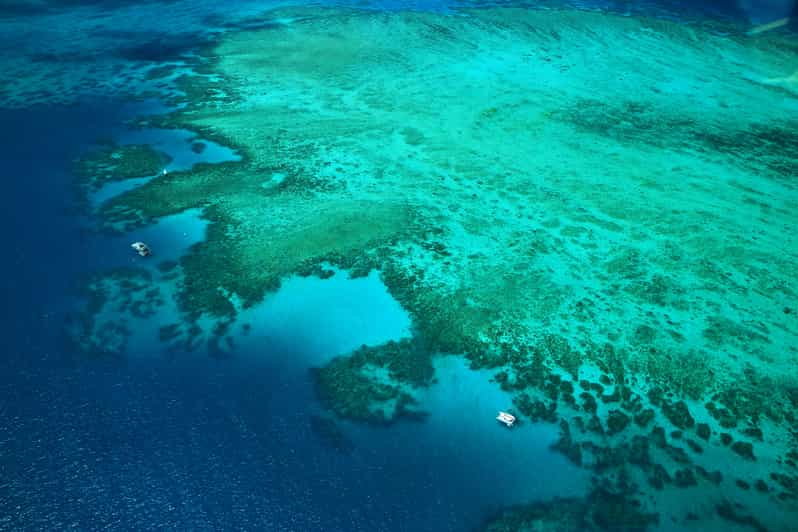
112 163
599 208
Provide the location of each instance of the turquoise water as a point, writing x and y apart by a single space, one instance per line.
177 144
479 187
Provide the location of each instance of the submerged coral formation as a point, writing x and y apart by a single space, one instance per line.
132 293
600 510
598 208
110 163
376 384
135 305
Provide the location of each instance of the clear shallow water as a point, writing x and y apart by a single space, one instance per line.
189 442
195 443
177 144
328 317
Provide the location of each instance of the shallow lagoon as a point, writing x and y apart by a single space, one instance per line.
238 430
178 144
309 321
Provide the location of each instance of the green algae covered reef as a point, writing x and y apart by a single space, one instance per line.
600 209
376 384
110 163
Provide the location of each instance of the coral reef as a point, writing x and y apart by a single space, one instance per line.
617 249
376 384
602 509
111 301
111 162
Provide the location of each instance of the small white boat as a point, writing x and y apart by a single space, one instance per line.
507 419
141 248
164 172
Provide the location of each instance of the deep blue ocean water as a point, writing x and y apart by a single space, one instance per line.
188 442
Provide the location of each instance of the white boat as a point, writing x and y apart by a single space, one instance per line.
141 248
507 419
